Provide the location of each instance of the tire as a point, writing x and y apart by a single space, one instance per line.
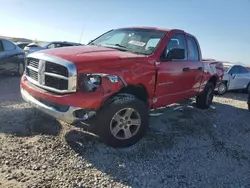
222 89
20 69
109 118
205 99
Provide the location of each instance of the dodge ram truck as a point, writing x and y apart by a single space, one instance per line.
112 83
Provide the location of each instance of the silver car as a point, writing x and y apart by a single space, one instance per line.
236 77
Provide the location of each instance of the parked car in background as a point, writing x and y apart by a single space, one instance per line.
111 84
236 77
33 47
11 57
22 44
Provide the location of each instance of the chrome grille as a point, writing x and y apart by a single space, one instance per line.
33 62
56 69
32 74
51 73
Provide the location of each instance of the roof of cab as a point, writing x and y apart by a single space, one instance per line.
146 27
152 28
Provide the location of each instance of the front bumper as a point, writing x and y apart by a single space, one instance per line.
67 116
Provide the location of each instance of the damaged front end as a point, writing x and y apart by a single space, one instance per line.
91 83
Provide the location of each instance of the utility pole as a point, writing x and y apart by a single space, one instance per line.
81 34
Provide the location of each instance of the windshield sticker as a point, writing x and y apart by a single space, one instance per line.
137 43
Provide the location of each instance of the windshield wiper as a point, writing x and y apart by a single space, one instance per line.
124 48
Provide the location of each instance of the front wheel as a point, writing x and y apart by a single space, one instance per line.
123 121
222 89
205 99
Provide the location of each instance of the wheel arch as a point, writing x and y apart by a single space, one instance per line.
138 90
213 80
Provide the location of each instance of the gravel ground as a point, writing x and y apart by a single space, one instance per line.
183 148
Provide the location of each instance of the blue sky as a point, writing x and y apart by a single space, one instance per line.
221 26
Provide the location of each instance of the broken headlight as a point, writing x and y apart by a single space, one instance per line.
89 82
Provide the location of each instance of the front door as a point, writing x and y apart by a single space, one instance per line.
239 77
173 77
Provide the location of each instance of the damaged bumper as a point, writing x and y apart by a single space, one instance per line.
68 115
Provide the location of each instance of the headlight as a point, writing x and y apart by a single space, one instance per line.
89 82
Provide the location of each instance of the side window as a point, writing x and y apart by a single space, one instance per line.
177 41
65 45
52 45
8 46
192 49
1 46
234 70
58 45
242 70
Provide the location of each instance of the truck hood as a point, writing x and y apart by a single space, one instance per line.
81 54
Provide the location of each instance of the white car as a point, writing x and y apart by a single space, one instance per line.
236 77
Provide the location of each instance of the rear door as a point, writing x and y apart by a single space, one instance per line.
244 76
195 64
173 77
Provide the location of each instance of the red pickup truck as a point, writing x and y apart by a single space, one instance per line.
111 84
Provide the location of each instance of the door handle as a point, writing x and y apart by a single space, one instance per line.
200 68
186 69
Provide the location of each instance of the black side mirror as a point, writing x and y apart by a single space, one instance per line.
176 53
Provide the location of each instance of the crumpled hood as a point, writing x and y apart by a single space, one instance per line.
80 54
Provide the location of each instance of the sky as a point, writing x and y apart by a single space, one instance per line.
222 27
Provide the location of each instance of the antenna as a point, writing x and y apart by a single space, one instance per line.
81 34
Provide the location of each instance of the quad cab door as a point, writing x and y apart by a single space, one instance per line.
239 77
179 72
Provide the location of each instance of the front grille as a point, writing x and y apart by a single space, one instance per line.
57 83
32 74
57 77
56 69
33 62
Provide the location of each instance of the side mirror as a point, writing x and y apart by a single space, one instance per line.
176 53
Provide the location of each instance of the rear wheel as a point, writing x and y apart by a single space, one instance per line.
122 122
205 99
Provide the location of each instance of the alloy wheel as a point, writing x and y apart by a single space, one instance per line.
125 123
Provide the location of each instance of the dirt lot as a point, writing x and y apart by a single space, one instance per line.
183 148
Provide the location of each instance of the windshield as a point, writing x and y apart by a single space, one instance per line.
43 44
140 41
226 68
